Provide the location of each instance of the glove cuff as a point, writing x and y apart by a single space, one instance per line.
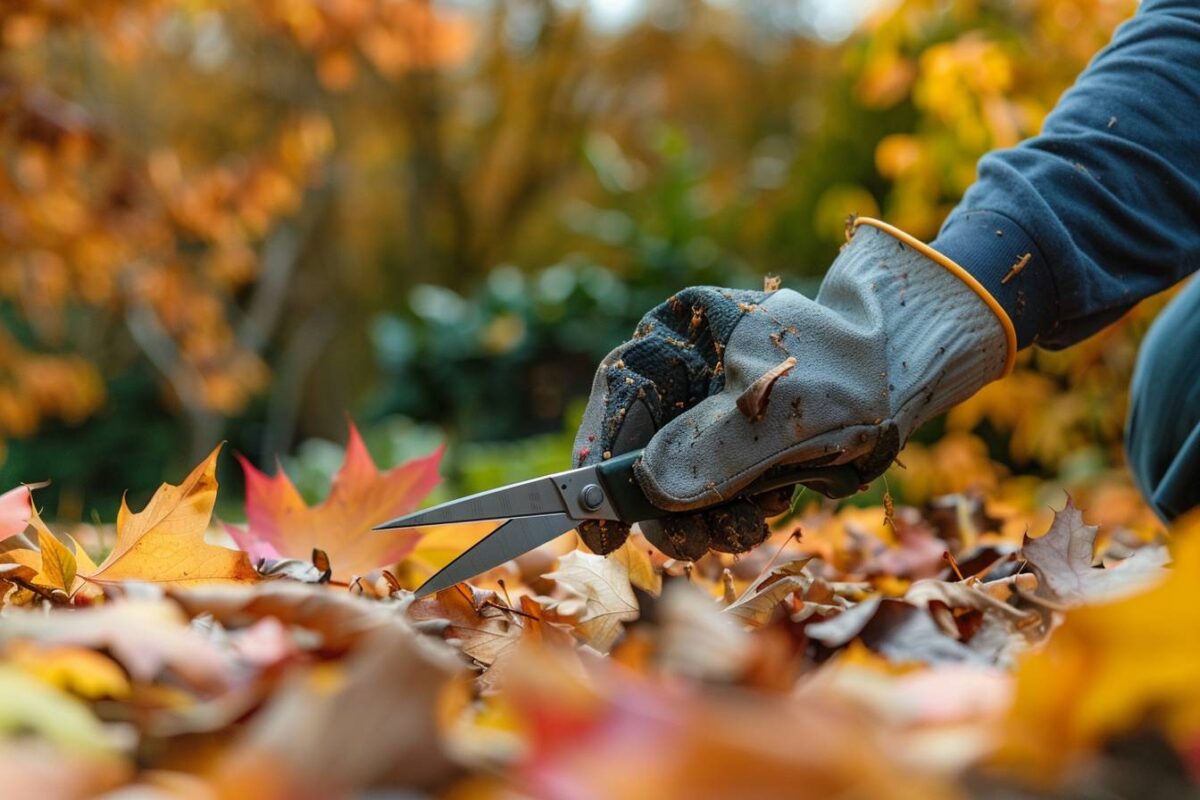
1006 323
940 340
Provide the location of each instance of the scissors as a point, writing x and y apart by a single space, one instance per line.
542 509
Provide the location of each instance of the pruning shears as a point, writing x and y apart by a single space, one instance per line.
542 509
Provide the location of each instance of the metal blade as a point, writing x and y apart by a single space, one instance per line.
544 495
537 496
513 538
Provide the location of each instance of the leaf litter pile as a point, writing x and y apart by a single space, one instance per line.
877 652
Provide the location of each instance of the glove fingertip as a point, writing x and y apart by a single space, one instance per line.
602 536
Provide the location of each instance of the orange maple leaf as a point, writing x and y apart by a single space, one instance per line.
164 542
281 524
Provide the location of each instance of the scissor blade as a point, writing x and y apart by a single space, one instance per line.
513 538
525 499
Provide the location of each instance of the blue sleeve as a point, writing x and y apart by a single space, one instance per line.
1073 226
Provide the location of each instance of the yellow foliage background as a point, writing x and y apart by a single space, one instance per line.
210 210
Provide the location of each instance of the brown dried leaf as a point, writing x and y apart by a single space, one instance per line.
843 628
758 603
1063 559
903 633
963 594
482 631
602 586
753 402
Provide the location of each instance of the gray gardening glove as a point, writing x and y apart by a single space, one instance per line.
721 386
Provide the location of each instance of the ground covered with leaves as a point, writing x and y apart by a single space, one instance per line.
861 652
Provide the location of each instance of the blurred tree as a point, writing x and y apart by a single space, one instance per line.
250 217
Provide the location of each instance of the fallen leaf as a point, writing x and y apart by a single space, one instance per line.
482 631
78 670
962 594
372 717
917 553
281 524
696 639
16 506
601 587
58 563
145 637
28 705
843 628
757 605
1064 556
164 542
903 633
639 566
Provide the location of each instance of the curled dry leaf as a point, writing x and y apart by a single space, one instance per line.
962 594
753 402
758 604
842 629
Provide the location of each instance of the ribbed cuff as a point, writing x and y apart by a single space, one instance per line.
1002 257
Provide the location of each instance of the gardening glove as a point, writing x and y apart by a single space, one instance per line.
720 386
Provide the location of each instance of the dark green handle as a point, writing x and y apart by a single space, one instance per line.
630 502
626 496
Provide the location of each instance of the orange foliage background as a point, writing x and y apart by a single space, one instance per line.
225 196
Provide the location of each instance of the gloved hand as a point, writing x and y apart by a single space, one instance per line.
720 386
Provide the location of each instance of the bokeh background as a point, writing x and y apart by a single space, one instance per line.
253 221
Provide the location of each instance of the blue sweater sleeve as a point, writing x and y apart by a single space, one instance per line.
1073 226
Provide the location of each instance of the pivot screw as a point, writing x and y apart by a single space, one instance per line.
591 497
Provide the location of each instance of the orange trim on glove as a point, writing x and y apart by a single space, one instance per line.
1010 332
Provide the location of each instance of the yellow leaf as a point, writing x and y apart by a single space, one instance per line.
58 563
82 559
27 704
636 560
78 670
164 542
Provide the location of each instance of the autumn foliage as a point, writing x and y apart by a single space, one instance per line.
270 212
937 653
